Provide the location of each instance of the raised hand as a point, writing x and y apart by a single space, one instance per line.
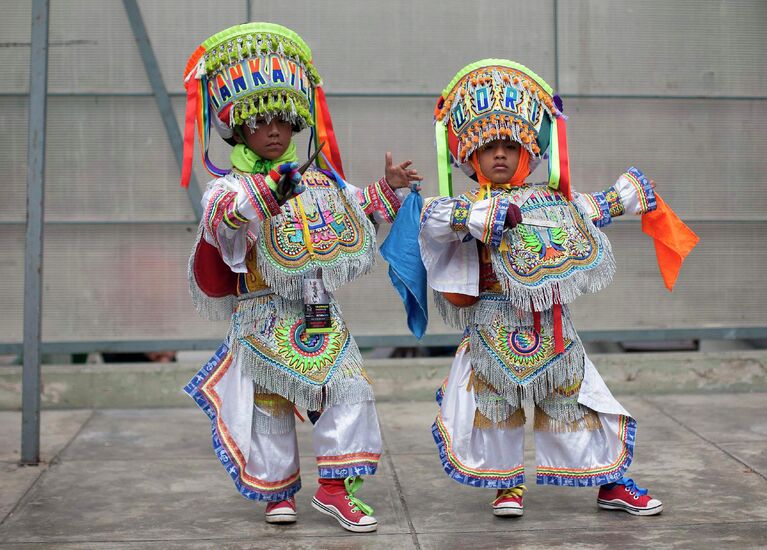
513 216
398 175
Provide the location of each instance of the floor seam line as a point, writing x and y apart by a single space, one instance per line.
44 470
695 433
400 494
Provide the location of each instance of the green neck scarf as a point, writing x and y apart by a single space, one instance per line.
245 160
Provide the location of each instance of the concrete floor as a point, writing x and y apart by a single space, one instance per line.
147 478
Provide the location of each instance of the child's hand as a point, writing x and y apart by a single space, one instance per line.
399 176
513 216
285 181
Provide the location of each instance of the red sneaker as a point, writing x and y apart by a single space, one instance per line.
283 511
335 497
508 502
625 495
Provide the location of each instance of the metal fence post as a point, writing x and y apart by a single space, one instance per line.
33 259
161 97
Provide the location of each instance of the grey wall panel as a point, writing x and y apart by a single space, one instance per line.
716 286
119 282
176 29
98 52
684 47
13 157
14 45
108 159
12 287
706 157
402 46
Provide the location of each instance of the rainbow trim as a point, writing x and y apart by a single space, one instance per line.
495 220
380 197
348 465
259 195
590 477
644 190
601 216
202 389
459 472
216 209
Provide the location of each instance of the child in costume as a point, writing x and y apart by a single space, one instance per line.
272 246
505 260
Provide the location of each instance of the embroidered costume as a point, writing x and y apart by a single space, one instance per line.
519 344
251 259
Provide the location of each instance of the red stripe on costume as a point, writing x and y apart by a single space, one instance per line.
325 131
564 160
192 102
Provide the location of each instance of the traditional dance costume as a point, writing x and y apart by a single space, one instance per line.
252 261
508 289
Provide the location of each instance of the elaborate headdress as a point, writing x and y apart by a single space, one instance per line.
495 99
255 70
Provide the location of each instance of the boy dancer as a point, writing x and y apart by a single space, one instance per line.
505 260
272 247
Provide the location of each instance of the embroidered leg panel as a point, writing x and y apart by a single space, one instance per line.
580 447
490 454
272 469
347 440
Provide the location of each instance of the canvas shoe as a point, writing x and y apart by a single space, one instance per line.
625 495
335 497
508 502
283 511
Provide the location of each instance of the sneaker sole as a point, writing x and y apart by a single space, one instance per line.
345 523
508 512
618 505
281 518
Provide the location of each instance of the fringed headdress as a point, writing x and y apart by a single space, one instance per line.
499 99
252 71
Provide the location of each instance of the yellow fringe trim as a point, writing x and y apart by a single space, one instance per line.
544 423
515 420
364 374
273 404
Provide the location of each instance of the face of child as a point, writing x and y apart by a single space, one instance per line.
268 141
498 160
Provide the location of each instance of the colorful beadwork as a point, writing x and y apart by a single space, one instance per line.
336 232
613 199
460 215
310 358
522 352
539 255
496 99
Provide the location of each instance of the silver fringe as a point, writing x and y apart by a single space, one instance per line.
565 370
563 409
265 423
493 308
347 385
212 309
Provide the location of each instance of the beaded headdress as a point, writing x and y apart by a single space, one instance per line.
249 72
499 99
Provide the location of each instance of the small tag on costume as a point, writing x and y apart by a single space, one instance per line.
316 307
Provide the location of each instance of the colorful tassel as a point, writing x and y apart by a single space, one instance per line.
324 132
444 168
554 167
564 159
192 102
